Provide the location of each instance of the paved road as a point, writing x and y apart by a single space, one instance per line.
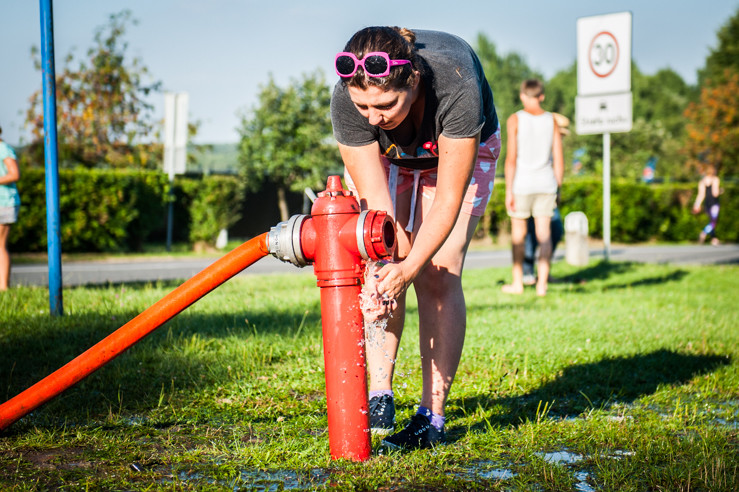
149 270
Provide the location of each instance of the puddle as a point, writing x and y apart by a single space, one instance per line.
707 408
726 423
261 480
487 470
560 457
582 484
497 474
276 480
621 454
567 458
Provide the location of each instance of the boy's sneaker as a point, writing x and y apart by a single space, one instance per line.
382 414
419 433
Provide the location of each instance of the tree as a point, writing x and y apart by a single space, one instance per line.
287 138
713 121
662 97
658 130
713 126
103 118
505 74
724 56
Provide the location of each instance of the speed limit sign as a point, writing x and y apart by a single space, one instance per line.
604 102
604 54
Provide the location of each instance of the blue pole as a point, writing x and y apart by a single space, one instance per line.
53 230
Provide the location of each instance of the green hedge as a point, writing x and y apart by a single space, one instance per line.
122 210
104 210
213 203
639 212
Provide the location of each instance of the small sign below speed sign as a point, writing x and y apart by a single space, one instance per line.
604 54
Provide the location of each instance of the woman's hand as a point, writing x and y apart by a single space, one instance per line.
375 306
392 281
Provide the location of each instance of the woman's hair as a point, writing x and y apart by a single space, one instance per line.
398 43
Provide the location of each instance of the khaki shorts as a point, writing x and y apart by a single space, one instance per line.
535 205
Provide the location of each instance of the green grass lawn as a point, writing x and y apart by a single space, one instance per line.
625 377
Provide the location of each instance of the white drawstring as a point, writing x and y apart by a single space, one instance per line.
412 218
392 184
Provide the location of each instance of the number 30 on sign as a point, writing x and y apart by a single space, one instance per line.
603 54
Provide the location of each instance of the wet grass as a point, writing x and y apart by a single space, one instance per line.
625 377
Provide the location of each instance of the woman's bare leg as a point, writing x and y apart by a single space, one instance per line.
443 314
382 342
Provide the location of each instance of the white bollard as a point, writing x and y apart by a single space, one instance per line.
222 239
576 239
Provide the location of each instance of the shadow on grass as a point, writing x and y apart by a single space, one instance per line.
597 385
598 271
603 270
660 279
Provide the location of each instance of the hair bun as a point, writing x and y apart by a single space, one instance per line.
407 34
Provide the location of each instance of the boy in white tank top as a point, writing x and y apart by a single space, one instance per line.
534 169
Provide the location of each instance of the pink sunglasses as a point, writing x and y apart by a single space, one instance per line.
375 64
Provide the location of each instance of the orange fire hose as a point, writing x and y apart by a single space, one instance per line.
127 335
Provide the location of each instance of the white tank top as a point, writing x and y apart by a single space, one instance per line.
534 171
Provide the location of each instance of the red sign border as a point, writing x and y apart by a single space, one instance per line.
590 50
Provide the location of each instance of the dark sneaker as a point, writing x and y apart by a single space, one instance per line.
419 433
382 414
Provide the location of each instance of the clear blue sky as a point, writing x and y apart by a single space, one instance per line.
221 51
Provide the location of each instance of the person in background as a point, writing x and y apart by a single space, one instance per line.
9 205
556 226
556 231
709 189
534 169
418 133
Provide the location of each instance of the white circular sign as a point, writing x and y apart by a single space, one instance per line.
603 54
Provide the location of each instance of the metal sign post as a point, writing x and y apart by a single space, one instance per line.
607 195
604 100
175 147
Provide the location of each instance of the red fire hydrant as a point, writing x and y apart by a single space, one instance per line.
336 238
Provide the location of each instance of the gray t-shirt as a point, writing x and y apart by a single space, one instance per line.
458 104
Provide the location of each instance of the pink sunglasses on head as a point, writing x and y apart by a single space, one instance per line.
375 64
